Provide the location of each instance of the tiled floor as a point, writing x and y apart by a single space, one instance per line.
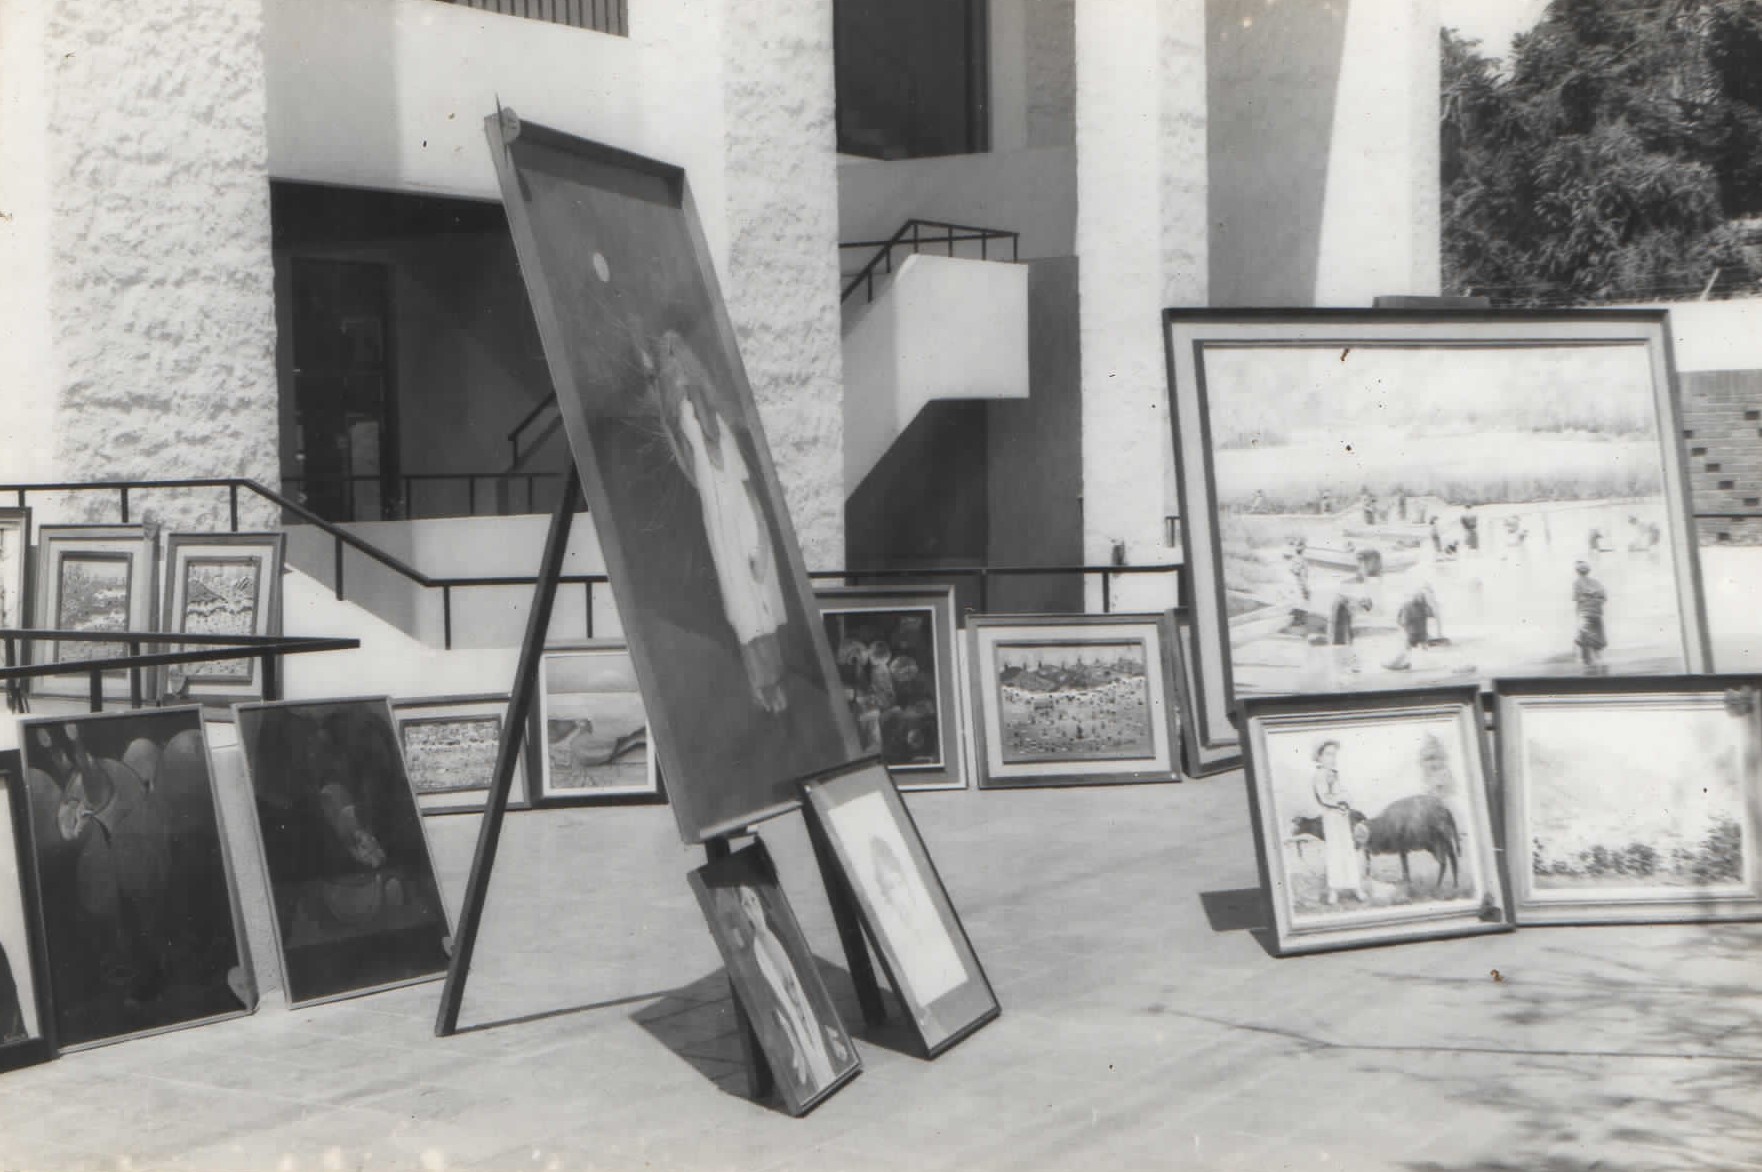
1144 1025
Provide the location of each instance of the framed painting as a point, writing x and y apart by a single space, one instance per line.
140 909
1073 699
450 745
27 1021
776 977
904 906
595 732
1633 799
687 507
93 578
1371 819
896 662
1389 499
1202 755
15 548
221 584
353 896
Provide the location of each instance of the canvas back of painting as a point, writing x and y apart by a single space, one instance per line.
735 671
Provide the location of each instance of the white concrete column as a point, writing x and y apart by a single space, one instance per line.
134 250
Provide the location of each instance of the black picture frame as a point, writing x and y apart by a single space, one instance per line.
782 1031
1384 910
23 948
1686 874
958 1008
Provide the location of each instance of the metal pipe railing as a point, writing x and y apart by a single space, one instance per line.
911 235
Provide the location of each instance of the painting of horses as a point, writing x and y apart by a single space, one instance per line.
1634 799
1372 818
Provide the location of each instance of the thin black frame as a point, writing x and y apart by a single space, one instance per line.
1508 696
41 1048
247 988
1159 677
757 856
1345 329
874 775
270 550
281 949
951 773
1466 700
538 740
410 712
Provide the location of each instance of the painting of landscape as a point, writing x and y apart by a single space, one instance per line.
449 755
596 741
1637 799
1396 515
1073 702
221 596
92 595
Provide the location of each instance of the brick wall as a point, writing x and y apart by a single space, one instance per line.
1722 433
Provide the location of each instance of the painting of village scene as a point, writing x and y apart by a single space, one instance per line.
92 595
220 596
1377 823
1073 702
450 750
888 663
1395 515
596 739
1633 802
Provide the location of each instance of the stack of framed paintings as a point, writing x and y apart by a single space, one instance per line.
221 584
903 904
1203 753
140 912
895 650
93 578
450 745
594 731
776 977
1073 699
1371 815
1633 799
1376 500
352 886
27 1025
15 546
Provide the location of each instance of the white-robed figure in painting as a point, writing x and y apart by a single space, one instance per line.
708 453
1345 876
816 1053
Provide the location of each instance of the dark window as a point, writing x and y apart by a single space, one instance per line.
1697 451
1713 466
1727 484
1753 415
911 77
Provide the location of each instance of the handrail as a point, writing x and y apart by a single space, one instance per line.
945 234
410 480
548 403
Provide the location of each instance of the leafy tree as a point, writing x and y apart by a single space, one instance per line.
1611 159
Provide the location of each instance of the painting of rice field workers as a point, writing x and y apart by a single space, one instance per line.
1634 804
1424 503
1065 700
596 736
450 749
1375 822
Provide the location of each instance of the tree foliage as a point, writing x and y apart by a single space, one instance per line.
1613 160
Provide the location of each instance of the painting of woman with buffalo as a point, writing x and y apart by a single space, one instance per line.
1374 821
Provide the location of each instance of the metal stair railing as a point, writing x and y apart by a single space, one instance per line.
918 235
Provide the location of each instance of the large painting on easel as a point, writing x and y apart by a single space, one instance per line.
735 671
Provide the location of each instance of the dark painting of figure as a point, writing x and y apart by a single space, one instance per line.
136 886
775 976
356 904
659 414
887 663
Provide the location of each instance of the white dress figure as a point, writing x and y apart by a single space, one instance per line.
740 541
811 1063
1339 848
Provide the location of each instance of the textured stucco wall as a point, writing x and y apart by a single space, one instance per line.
158 357
1141 232
781 280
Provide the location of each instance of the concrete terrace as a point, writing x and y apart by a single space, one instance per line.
1144 1025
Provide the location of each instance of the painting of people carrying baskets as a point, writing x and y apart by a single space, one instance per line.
1393 500
1371 817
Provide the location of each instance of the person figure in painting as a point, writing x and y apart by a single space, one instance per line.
1340 851
704 446
1588 599
1368 503
929 966
1341 633
1471 529
1437 539
1415 617
1645 536
815 1050
11 1011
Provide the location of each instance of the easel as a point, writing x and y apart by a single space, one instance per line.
838 893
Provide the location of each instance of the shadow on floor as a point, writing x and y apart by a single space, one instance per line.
1243 909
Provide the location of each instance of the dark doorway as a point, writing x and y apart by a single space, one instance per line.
345 420
911 77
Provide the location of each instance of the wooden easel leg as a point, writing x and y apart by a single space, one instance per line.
850 927
507 757
759 1080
